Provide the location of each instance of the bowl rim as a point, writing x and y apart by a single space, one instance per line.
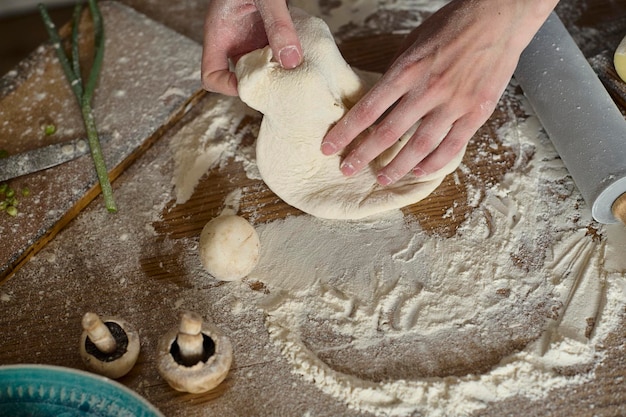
46 369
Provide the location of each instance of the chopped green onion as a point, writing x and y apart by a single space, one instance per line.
49 130
12 211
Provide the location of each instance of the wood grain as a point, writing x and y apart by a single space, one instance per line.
45 299
134 109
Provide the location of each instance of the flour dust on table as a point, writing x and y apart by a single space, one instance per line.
392 319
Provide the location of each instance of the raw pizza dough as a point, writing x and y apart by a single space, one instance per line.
299 107
229 247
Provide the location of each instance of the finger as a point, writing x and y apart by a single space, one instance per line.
383 135
220 81
215 73
364 114
454 142
281 33
422 143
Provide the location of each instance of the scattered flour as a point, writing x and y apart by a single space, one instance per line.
211 138
391 320
346 16
379 331
394 321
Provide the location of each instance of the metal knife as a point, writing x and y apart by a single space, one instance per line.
43 158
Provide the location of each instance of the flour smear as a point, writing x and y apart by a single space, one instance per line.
392 320
374 313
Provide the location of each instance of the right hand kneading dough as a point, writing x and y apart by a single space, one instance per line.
299 107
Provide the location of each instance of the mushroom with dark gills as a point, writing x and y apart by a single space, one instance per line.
194 357
108 346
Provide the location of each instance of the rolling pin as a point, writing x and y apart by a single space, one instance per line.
578 114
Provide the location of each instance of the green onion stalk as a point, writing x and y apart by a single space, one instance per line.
84 93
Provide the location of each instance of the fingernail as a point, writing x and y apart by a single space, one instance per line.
328 148
418 172
383 180
347 169
289 57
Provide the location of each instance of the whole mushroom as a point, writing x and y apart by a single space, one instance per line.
194 357
108 346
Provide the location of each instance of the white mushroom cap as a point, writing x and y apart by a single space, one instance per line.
205 374
108 362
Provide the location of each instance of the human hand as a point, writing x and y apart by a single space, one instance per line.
451 73
233 28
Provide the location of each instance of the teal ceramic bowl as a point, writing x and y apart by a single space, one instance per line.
43 390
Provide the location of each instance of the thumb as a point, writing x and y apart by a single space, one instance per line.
281 33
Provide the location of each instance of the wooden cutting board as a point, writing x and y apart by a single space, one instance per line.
149 78
602 64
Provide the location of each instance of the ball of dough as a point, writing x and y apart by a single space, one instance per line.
229 247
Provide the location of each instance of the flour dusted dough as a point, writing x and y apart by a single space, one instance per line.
299 107
229 247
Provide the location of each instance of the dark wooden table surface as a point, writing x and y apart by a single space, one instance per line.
85 267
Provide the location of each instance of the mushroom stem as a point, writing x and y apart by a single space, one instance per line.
99 333
190 339
194 356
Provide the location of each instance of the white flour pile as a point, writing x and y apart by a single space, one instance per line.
392 320
196 150
383 316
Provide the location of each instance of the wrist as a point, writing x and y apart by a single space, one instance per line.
528 16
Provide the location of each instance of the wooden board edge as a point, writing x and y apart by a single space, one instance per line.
15 265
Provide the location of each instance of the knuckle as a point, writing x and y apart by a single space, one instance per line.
487 99
456 145
364 113
422 143
387 133
208 83
486 107
278 26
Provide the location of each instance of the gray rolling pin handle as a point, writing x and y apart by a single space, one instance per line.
582 121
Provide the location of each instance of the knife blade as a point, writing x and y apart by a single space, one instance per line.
43 158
